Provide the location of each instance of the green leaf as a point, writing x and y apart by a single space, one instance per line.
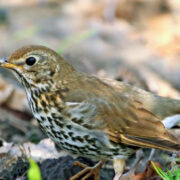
177 174
34 171
170 175
160 172
163 174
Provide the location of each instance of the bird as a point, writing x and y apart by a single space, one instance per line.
91 116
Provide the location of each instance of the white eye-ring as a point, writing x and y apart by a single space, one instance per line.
31 60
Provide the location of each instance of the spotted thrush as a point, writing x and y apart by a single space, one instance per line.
90 116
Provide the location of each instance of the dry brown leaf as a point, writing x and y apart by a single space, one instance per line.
148 173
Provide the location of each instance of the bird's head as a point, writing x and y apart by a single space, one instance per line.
36 65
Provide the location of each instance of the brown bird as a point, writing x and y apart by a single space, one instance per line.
90 116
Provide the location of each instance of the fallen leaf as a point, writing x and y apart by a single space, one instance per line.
148 173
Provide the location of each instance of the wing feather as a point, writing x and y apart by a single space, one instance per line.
125 119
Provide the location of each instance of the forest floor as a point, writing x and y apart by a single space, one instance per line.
133 41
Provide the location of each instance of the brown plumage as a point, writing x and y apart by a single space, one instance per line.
87 115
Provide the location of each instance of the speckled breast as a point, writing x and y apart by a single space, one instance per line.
71 136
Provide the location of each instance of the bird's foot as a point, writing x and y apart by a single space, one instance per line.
130 174
127 176
88 171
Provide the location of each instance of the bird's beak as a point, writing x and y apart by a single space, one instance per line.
5 64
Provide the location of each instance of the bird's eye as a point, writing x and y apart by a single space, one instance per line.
30 61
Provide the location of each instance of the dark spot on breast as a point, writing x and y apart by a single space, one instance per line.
54 115
73 138
92 140
74 119
36 92
43 89
47 88
86 137
80 139
77 147
33 98
53 131
69 126
52 73
67 148
59 107
98 151
70 133
53 98
43 103
61 95
114 150
46 110
65 136
116 153
91 149
59 124
70 145
73 151
47 97
87 126
47 127
41 126
62 132
60 138
50 120
85 150
39 109
38 80
81 151
38 120
60 118
51 134
80 121
67 144
42 118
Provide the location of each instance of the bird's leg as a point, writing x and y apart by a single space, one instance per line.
130 173
89 171
119 165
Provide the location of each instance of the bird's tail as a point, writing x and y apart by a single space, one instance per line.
165 107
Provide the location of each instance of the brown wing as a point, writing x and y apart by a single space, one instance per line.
131 124
126 120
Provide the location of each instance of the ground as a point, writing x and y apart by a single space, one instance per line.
132 41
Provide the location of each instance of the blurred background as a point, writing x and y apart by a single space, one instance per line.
137 41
